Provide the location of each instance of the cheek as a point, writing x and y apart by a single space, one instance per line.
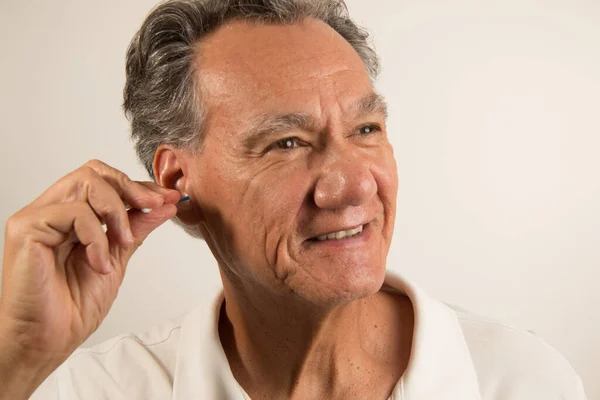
385 172
272 201
387 175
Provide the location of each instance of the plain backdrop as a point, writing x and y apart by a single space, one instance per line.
495 121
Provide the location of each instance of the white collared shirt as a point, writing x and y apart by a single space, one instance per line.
454 356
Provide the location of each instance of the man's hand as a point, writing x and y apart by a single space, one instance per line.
61 271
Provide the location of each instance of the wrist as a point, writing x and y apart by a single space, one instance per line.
21 370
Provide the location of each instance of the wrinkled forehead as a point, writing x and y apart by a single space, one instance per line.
248 68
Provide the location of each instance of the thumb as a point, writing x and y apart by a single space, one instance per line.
142 225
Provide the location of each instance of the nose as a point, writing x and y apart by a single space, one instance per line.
345 182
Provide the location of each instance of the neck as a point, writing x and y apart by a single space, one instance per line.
281 346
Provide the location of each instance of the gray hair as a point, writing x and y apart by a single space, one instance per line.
161 99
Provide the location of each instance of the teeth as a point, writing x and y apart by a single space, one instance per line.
341 234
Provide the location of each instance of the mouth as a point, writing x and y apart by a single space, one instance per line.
340 235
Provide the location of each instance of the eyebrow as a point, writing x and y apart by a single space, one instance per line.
373 103
269 125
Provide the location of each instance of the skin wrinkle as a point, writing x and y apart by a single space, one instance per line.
294 316
249 69
281 275
267 126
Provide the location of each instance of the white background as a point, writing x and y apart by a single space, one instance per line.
495 120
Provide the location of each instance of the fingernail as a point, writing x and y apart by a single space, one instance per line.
146 210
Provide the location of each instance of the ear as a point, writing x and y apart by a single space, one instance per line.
170 170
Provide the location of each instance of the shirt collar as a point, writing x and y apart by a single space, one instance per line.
440 364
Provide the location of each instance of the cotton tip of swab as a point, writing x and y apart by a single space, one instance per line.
146 210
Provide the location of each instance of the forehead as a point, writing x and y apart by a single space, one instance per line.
248 68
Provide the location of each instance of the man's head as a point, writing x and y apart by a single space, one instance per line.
264 113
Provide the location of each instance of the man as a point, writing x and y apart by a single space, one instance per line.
264 114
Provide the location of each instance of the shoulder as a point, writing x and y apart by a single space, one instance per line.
125 367
158 339
513 364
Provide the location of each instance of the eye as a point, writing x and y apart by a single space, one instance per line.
285 144
368 129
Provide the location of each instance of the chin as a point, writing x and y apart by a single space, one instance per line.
342 284
365 283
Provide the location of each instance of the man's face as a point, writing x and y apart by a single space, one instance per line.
295 148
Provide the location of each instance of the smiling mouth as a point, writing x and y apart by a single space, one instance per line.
339 235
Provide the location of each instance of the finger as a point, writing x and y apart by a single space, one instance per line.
134 193
108 205
106 197
53 225
72 187
139 195
170 195
142 225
